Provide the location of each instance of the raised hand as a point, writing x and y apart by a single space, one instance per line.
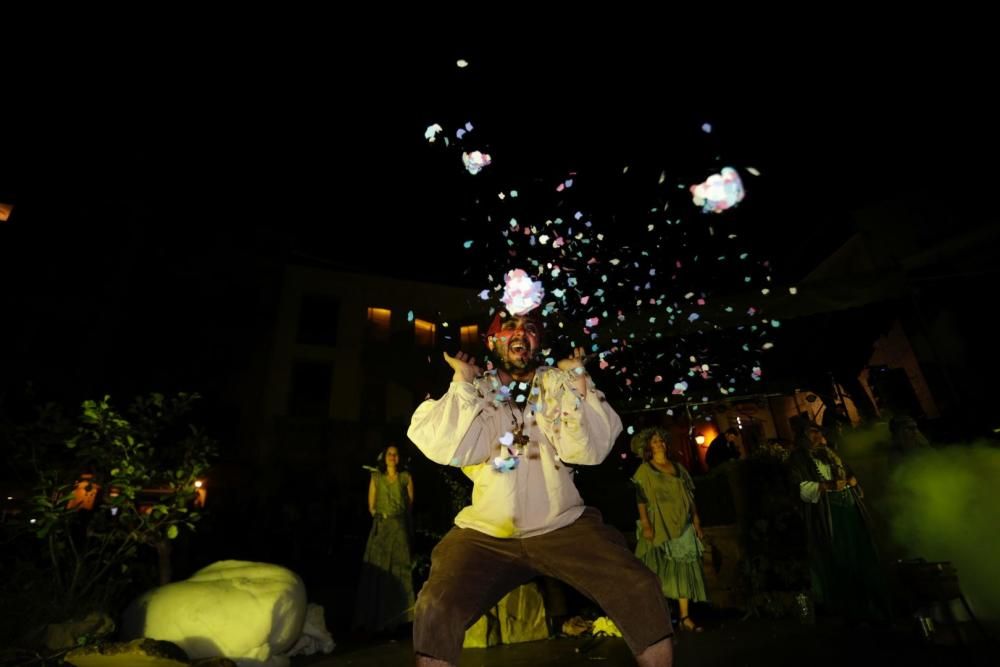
575 360
464 366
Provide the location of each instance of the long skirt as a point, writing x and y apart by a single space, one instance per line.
677 564
845 574
385 589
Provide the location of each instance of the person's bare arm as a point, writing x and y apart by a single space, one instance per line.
371 496
647 527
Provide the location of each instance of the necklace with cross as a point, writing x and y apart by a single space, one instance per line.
520 437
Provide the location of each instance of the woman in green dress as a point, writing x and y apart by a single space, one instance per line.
385 590
669 530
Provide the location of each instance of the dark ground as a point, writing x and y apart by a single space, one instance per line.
732 643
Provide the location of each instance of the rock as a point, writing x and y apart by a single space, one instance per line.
250 612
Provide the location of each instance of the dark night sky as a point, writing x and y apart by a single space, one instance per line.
313 139
156 180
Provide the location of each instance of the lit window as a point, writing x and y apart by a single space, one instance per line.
379 320
423 333
470 336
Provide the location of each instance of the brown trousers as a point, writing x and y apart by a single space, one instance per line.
471 571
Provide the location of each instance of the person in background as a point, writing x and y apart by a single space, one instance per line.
725 447
844 567
669 534
385 589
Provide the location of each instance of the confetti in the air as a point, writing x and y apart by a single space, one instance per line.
521 294
642 305
430 134
461 132
720 192
475 161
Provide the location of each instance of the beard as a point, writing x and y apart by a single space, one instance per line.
518 364
820 453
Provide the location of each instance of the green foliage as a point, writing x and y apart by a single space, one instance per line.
140 467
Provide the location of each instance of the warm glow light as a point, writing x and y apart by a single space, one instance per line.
423 332
470 335
201 493
708 433
380 319
84 494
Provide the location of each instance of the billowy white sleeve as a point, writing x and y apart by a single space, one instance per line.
452 430
809 491
589 426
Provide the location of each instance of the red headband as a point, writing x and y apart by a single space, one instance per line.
494 328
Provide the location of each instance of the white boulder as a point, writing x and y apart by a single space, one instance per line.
249 612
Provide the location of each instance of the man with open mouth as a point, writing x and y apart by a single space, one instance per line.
516 431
